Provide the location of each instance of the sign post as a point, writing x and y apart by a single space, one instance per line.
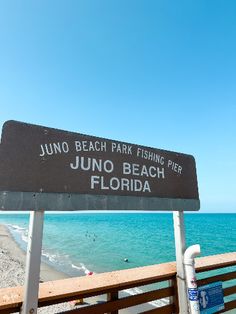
180 247
33 262
41 167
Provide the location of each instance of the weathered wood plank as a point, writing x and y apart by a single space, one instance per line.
104 283
207 263
67 289
229 290
11 297
222 277
9 311
229 306
124 302
167 309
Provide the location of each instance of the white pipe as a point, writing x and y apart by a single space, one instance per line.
190 253
189 256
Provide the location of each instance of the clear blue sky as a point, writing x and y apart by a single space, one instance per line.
156 73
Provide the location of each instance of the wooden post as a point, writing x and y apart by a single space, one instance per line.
33 261
171 284
175 298
112 296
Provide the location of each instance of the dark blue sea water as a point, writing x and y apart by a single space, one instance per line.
99 242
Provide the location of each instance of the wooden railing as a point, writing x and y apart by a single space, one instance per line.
162 279
219 268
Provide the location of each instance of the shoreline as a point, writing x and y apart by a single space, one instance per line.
12 273
7 243
12 269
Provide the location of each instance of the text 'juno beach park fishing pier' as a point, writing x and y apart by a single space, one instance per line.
45 169
52 161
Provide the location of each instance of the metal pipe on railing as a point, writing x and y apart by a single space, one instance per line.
191 281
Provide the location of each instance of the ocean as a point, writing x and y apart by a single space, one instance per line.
78 243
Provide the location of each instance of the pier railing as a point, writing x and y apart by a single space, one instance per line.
111 288
220 267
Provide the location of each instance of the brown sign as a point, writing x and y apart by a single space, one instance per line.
43 160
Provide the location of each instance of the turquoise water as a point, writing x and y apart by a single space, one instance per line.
81 242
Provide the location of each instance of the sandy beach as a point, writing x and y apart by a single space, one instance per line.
12 273
12 269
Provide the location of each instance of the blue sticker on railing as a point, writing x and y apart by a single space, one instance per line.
211 298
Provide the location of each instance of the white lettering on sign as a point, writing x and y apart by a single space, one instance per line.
88 146
132 177
148 155
121 148
123 184
174 166
54 148
143 170
93 164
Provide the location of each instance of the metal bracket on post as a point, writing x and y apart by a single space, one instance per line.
33 261
180 246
